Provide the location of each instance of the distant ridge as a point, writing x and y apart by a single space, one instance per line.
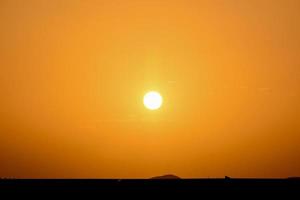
167 176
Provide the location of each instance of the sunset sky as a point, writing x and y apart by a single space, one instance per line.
73 74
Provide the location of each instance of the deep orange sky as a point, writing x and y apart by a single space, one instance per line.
73 74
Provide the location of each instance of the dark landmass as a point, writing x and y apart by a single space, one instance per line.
167 184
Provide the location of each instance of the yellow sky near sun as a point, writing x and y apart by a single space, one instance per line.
73 75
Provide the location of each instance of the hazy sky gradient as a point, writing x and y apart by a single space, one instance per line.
73 74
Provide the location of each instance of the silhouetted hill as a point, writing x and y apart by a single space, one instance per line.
167 176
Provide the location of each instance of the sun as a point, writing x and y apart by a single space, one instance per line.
153 100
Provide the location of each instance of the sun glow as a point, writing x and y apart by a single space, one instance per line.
153 100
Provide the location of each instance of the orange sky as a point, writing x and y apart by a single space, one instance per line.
73 74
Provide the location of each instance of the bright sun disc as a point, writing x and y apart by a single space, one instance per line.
152 100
